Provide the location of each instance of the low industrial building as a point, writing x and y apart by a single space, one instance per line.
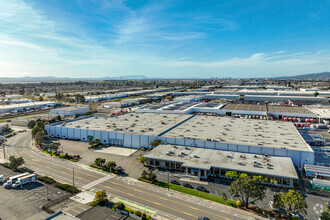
189 98
295 99
24 121
125 103
203 163
222 97
26 106
320 175
222 133
70 111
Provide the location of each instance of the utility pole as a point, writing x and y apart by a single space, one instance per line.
73 176
4 145
168 180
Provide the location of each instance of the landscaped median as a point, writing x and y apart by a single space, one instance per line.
64 187
62 156
193 192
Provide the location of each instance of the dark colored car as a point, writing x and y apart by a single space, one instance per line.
175 182
201 188
203 218
188 185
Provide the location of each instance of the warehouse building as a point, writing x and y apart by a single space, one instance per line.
203 163
70 111
295 99
222 96
221 133
189 98
26 106
125 103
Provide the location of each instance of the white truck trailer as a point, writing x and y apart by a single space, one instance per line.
13 179
24 180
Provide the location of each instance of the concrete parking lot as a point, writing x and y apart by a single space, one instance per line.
124 157
25 202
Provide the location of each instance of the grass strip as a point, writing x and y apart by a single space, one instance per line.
196 193
134 205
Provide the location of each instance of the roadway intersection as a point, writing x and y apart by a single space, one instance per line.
166 204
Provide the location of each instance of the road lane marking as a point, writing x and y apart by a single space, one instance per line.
131 194
136 190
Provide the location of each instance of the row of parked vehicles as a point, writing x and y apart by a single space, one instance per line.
18 180
187 185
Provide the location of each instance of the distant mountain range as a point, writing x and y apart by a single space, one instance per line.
322 76
28 79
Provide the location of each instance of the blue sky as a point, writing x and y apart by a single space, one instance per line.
220 38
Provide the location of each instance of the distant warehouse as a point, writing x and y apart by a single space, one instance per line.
70 111
295 99
230 134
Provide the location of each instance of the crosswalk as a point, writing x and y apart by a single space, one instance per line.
96 182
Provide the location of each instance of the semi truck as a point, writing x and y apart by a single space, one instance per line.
13 179
24 180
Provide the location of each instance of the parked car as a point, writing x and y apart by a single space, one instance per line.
175 182
188 185
201 188
203 218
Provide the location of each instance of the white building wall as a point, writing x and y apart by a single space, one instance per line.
138 141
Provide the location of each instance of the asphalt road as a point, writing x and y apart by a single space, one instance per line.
169 205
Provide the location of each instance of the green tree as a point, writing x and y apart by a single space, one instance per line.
151 176
101 196
247 190
31 124
110 165
76 115
292 202
99 161
325 214
14 162
80 98
155 143
39 137
54 146
242 175
144 174
141 159
119 205
316 94
260 179
231 174
39 126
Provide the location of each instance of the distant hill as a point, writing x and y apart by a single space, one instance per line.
323 76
